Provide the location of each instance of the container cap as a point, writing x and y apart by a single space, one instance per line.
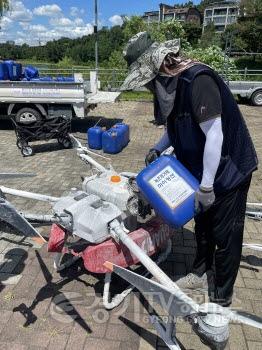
115 178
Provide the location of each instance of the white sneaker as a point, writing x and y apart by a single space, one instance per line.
192 281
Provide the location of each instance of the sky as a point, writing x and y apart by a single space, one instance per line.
39 21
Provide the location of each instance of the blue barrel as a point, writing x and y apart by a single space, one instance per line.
170 189
31 72
3 72
112 141
94 137
124 128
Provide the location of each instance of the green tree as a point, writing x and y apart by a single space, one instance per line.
247 32
251 8
210 37
193 32
186 4
54 54
215 58
167 30
159 31
116 60
133 25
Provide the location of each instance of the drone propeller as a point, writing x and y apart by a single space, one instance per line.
173 301
9 214
176 304
15 175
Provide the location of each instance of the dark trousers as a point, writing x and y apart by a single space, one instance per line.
159 119
219 236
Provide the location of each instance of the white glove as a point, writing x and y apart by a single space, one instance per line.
204 198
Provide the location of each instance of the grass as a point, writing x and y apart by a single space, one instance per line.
136 96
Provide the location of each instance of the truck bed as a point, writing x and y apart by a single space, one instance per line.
244 88
41 92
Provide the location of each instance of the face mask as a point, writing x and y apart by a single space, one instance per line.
165 93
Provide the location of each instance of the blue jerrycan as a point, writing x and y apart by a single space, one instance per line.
3 71
112 141
170 189
124 129
94 137
14 70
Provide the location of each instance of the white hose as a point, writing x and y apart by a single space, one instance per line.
117 300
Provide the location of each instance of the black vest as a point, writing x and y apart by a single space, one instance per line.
238 156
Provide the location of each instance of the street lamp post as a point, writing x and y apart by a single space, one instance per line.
96 35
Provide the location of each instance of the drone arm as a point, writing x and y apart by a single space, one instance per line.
118 233
30 195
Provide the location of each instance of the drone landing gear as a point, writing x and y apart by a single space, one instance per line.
117 300
57 262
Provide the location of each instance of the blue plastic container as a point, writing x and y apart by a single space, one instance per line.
31 72
112 141
69 79
124 129
19 71
3 72
14 70
46 79
94 137
170 189
59 79
65 79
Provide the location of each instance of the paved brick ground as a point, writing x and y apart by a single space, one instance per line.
42 309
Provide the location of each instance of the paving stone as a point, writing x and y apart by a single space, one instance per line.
58 342
77 338
120 333
12 346
128 346
254 345
237 339
252 333
252 283
105 344
249 293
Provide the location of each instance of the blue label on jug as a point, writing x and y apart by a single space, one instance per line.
171 187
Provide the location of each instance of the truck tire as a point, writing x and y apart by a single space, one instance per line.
256 98
27 116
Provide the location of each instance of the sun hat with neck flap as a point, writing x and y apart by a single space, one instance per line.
144 58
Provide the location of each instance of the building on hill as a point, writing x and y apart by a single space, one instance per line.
221 14
167 13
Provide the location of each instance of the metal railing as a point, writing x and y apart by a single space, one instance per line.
112 79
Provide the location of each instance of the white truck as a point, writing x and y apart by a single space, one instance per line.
251 90
30 101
